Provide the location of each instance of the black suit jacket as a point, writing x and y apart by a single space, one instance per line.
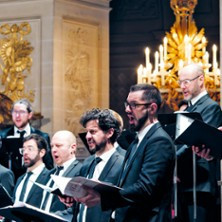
7 179
207 171
71 171
109 174
17 167
35 195
146 182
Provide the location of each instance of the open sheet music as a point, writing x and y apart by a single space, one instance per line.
21 212
76 187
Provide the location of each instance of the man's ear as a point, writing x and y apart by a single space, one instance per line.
153 108
42 153
110 133
30 115
73 148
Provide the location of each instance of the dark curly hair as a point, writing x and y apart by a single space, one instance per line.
106 121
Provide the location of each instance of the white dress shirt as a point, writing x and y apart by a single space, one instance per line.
36 172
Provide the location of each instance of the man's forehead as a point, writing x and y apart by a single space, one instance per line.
20 106
136 95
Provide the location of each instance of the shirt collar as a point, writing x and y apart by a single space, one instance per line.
38 169
195 99
68 163
105 156
27 130
145 131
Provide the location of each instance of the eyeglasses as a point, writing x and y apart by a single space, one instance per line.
20 112
29 149
135 105
186 82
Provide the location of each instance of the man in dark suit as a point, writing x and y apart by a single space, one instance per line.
7 179
33 150
21 115
63 148
147 173
191 80
103 128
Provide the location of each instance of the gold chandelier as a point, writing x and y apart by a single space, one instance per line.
181 46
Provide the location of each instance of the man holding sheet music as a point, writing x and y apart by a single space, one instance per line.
33 151
191 80
103 127
147 172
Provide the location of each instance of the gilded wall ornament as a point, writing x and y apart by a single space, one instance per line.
15 60
15 64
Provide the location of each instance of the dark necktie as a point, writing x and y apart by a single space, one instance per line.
90 175
189 106
132 150
93 166
58 169
22 195
22 133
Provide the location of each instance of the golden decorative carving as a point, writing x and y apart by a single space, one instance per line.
15 60
15 65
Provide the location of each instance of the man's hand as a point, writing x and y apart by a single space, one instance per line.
91 199
68 201
203 152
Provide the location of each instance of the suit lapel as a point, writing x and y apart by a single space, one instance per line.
108 166
34 187
16 185
70 168
139 150
198 103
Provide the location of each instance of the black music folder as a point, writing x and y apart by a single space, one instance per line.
21 212
10 156
199 133
168 121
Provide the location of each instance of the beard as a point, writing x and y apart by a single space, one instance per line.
32 162
140 123
99 147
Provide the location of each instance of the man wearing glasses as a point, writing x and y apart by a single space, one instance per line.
147 172
191 81
21 115
33 151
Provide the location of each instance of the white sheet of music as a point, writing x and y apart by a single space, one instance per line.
182 123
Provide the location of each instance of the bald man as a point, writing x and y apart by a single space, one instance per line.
63 149
191 80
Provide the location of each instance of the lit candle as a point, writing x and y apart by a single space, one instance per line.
147 54
145 77
165 48
156 61
214 48
161 54
206 62
180 64
139 74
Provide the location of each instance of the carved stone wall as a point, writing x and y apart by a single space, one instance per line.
80 70
70 71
